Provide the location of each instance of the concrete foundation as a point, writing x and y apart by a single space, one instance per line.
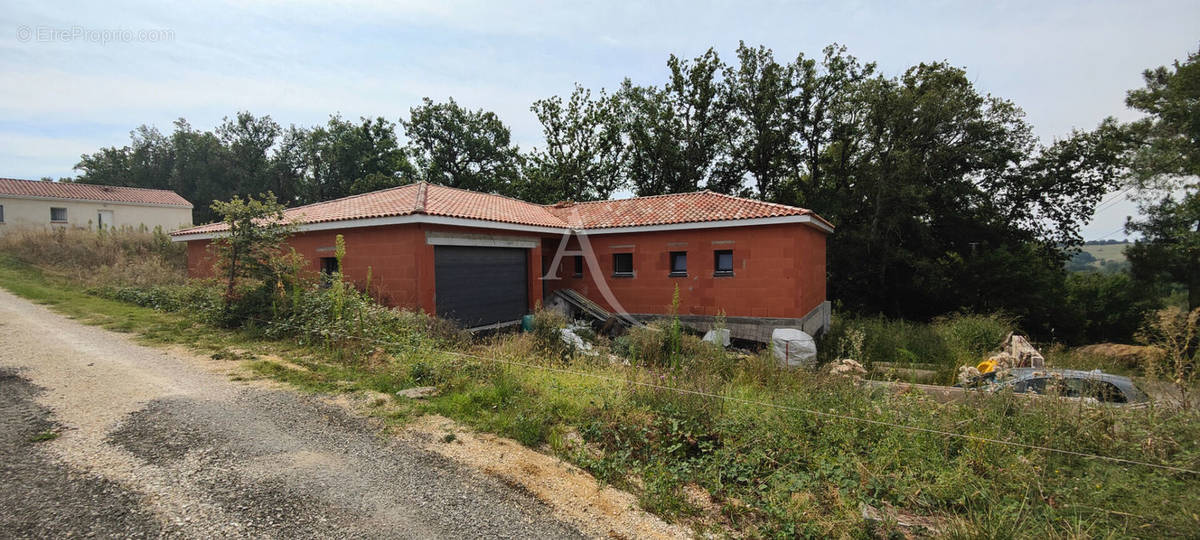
815 323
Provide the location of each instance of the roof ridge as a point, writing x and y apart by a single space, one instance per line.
759 201
422 198
641 197
74 183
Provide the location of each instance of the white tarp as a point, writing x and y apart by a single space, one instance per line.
794 348
719 336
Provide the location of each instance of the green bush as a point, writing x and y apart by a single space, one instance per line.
942 346
547 332
663 343
1107 307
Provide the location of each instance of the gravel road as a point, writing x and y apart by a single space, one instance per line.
154 444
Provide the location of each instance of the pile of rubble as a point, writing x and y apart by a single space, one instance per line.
1015 352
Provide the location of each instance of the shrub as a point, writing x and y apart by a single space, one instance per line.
1177 332
1107 307
547 332
943 345
663 343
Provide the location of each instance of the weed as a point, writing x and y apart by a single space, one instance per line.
48 435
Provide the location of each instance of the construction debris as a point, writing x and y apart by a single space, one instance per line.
848 368
794 348
574 340
719 336
1023 353
1015 352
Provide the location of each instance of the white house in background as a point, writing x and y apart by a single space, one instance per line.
33 203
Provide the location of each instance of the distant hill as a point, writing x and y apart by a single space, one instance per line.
1105 255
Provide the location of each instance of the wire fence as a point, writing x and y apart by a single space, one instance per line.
763 404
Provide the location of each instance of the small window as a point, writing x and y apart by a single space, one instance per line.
578 266
58 214
623 264
678 263
329 265
723 262
1 213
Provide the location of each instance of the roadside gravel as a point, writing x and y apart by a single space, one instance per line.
163 444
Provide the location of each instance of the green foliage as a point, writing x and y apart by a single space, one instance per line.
547 332
1164 162
251 248
1106 307
1169 250
942 346
677 132
462 148
584 155
345 158
1177 333
771 467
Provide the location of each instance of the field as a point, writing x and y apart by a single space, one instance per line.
1107 252
725 443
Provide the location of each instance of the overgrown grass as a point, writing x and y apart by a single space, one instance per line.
906 350
685 417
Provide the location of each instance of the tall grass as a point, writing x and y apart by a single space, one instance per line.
941 346
125 257
687 414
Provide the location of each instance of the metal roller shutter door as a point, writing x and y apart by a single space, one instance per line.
478 286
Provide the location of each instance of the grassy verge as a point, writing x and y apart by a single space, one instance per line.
726 465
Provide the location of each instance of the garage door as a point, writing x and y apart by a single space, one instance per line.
478 286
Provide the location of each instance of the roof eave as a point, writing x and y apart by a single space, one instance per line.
804 219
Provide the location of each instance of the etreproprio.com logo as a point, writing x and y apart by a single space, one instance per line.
86 34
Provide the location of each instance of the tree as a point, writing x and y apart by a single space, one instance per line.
201 173
678 133
1164 163
249 140
460 148
824 110
344 158
1107 306
584 153
249 248
759 139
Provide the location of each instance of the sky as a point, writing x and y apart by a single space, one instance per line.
77 77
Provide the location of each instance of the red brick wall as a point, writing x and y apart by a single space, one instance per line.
779 271
401 263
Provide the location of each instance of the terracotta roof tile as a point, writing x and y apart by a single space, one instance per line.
668 209
452 202
436 200
90 192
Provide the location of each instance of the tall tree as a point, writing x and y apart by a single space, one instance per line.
678 133
584 153
1165 163
824 110
461 148
201 173
756 91
249 140
345 158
